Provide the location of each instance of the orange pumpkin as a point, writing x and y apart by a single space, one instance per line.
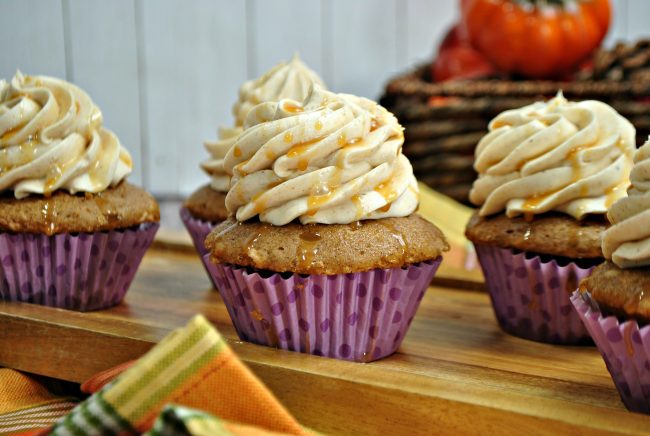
535 38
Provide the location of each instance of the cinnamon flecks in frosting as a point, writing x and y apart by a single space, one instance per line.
287 80
627 241
569 157
52 138
332 159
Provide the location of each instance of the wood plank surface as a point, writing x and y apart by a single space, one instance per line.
456 372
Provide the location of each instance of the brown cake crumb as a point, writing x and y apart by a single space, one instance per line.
327 248
207 204
553 233
620 292
116 208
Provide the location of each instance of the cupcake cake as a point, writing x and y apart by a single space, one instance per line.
548 172
612 301
72 230
324 253
206 206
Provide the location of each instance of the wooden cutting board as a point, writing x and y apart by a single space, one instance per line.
456 372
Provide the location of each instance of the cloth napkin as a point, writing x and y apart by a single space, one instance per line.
192 367
190 383
28 403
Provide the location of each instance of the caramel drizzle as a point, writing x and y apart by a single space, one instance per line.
307 248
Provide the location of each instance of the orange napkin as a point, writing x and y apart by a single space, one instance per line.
192 367
27 404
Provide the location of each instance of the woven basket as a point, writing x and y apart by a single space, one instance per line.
445 121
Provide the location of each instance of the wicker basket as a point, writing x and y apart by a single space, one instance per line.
445 121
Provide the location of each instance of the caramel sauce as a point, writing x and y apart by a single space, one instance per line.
316 201
106 210
356 200
302 164
239 167
342 139
300 148
48 213
386 191
318 125
270 155
399 237
374 125
307 248
386 208
8 134
356 225
611 194
236 151
257 315
259 204
288 137
54 173
126 160
292 108
250 243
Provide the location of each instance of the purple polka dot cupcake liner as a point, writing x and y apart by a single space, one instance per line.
531 297
198 230
359 316
82 271
625 348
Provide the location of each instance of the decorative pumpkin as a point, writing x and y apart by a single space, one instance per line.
536 38
457 59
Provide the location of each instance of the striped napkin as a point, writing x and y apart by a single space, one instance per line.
28 404
193 367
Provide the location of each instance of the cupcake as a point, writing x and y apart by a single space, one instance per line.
206 207
324 253
73 231
548 172
612 301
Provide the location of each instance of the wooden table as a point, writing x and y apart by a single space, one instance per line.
456 372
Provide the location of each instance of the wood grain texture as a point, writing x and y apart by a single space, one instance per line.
104 63
32 32
456 372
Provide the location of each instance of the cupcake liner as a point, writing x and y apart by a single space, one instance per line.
531 297
198 230
625 347
360 316
77 271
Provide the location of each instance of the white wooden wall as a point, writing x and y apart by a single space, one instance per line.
166 73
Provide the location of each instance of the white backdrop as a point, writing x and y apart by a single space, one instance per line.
165 73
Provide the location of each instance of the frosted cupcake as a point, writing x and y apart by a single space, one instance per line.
548 172
73 231
613 301
324 253
206 207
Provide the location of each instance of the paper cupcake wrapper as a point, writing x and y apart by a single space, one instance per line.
359 316
81 271
625 347
198 230
531 297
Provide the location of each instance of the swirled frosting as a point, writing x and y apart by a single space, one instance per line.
286 80
333 159
570 157
627 241
51 137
